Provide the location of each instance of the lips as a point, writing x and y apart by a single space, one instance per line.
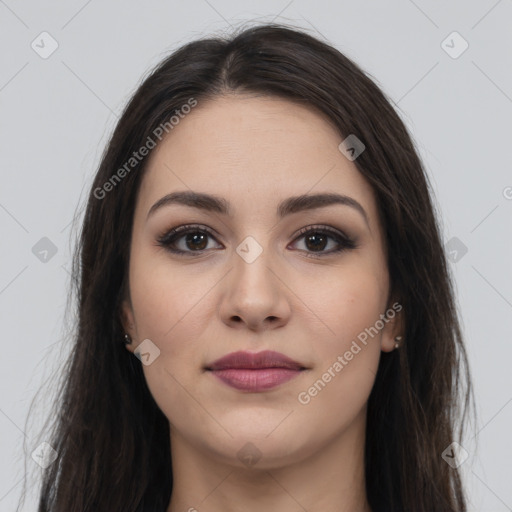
250 361
258 372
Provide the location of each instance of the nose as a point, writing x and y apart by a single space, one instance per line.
254 295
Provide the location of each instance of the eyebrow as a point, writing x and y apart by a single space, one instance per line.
288 206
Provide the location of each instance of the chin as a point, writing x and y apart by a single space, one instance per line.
254 449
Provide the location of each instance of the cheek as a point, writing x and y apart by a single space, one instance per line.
173 308
171 313
346 358
166 299
345 302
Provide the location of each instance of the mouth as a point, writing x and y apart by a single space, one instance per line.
255 372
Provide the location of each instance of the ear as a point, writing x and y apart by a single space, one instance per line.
394 325
128 322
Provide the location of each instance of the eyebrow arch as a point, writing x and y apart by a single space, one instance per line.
290 205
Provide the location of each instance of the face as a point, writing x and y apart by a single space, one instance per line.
265 275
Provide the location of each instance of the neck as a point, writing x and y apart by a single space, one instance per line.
330 479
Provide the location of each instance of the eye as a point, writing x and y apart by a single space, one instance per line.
316 238
195 239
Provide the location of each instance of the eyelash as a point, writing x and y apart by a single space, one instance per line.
170 237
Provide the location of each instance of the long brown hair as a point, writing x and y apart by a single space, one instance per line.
112 439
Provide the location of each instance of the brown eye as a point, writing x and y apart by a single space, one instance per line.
316 239
316 242
196 240
186 239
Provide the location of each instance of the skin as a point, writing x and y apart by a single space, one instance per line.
255 151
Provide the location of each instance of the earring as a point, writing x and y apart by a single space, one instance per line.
127 339
397 339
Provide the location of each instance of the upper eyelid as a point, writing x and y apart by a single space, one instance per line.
187 228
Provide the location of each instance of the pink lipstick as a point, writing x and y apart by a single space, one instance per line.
262 371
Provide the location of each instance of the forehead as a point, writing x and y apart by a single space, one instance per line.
252 150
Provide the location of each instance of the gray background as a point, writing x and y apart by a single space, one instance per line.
56 115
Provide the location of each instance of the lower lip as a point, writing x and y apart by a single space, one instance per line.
255 380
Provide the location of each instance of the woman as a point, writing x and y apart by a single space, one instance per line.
265 316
